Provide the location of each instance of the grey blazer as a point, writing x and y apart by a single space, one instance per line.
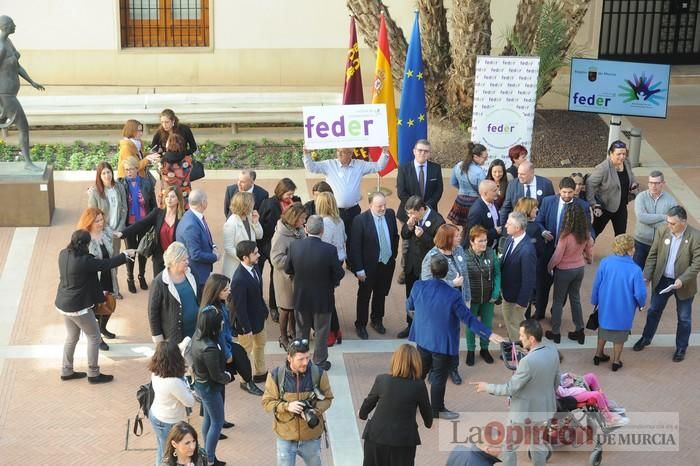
603 185
96 201
532 387
452 271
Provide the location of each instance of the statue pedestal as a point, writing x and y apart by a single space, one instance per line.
27 196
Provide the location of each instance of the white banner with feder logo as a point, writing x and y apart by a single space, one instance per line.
505 94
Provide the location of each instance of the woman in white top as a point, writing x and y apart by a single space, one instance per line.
172 394
110 198
242 224
333 233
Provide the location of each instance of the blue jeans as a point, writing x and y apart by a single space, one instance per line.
309 450
213 404
658 304
641 251
161 429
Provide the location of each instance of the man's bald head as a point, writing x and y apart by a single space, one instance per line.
488 190
526 172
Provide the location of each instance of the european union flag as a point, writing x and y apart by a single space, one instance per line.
413 119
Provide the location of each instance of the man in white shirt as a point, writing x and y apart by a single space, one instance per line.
344 175
672 269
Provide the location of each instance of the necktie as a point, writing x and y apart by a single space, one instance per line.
527 190
255 274
421 180
561 217
206 227
384 247
508 249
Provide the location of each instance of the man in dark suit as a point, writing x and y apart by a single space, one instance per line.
420 177
550 217
673 262
527 185
532 394
375 241
418 231
518 269
246 182
249 309
316 271
484 213
194 233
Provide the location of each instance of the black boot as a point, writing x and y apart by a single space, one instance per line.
142 282
132 286
103 327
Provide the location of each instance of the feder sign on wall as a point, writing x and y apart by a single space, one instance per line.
505 93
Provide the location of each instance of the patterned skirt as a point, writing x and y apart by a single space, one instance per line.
460 209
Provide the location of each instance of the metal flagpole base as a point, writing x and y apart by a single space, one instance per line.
383 190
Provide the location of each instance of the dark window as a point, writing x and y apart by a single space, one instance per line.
164 23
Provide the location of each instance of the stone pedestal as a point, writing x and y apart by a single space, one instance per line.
26 197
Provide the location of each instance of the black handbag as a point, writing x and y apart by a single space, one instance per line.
147 244
593 323
197 172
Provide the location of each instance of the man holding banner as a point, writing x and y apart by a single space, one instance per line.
344 174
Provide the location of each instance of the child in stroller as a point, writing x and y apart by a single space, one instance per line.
586 390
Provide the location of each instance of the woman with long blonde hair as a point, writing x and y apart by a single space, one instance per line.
391 436
333 233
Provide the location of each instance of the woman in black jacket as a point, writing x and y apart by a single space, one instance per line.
78 293
210 376
391 435
164 222
170 124
173 303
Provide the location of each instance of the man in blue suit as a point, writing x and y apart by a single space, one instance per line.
550 217
518 269
245 183
527 185
435 329
194 233
484 213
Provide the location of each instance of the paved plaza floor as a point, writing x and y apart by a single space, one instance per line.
46 421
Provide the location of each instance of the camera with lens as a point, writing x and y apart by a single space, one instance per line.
309 412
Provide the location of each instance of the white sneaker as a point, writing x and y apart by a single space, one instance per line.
618 410
617 421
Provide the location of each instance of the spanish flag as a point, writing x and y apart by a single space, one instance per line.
383 93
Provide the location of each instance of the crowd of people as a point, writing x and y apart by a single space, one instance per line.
509 241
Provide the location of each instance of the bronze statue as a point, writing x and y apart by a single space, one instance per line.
11 112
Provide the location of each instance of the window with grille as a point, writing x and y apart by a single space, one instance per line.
164 23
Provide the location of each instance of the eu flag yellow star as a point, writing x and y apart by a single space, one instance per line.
420 75
421 117
411 121
399 122
409 73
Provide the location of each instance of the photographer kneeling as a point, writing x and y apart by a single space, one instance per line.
297 395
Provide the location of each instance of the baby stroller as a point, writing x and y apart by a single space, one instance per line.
575 424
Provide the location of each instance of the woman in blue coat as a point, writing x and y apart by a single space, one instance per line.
618 290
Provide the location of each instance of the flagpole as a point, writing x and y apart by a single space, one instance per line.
380 188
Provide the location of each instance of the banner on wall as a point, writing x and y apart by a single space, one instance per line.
505 94
619 88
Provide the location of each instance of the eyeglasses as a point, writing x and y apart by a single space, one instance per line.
574 175
654 183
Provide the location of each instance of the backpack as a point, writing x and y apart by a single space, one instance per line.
282 371
144 396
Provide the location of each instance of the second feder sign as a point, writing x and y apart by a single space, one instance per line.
505 94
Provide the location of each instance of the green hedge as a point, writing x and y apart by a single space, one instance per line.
234 155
